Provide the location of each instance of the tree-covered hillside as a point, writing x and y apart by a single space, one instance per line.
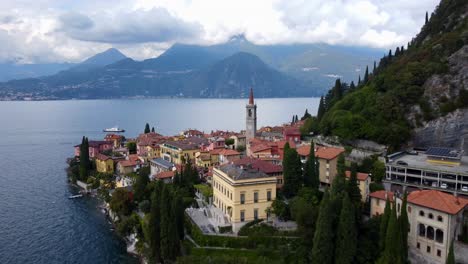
393 96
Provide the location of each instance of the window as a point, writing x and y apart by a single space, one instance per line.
418 245
428 249
422 230
268 195
242 197
378 202
242 216
431 216
430 233
255 197
439 253
440 219
409 209
421 213
255 214
440 236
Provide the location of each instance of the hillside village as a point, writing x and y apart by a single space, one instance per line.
255 183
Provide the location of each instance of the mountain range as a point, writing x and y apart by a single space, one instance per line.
225 70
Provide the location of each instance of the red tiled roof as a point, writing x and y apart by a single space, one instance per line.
262 165
438 200
165 175
128 163
360 175
303 150
382 195
291 131
328 153
281 144
229 152
133 157
100 156
259 147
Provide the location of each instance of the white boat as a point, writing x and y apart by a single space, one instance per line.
75 196
115 129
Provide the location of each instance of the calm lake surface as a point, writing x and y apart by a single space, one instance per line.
38 223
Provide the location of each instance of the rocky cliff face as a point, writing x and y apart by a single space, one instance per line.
450 130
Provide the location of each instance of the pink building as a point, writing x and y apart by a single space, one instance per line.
95 147
292 134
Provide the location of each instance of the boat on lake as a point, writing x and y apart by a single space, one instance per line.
75 196
115 129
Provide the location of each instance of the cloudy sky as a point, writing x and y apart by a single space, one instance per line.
70 30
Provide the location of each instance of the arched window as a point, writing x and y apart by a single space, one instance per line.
440 219
430 233
431 216
440 236
421 213
422 230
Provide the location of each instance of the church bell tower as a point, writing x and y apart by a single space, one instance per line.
251 118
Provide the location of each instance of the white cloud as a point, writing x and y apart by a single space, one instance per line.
54 30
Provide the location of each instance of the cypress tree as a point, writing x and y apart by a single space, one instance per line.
142 180
337 90
154 225
152 129
339 184
375 68
352 188
392 240
293 119
366 75
147 128
352 87
311 177
390 54
292 172
84 159
451 255
166 222
384 225
359 80
178 208
323 249
346 246
404 228
306 115
321 109
297 119
427 18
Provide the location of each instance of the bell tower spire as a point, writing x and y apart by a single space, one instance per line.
251 118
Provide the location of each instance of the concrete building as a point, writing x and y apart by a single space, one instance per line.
251 118
327 158
436 219
437 168
264 166
178 151
159 165
242 193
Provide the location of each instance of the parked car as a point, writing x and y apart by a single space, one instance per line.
400 162
464 188
443 185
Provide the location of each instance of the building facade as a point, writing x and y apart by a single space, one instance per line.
178 152
243 194
378 199
104 164
251 118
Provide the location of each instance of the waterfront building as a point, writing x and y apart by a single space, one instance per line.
378 199
251 118
115 139
178 152
104 164
363 182
95 147
242 193
442 169
131 164
436 219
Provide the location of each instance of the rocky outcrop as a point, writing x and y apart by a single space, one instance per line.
448 131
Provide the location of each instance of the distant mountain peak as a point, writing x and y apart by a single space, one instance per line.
107 57
238 38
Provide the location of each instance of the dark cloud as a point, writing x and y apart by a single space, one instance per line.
139 26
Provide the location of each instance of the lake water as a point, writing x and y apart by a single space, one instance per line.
38 223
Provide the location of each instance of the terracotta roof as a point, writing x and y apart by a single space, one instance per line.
360 175
438 200
128 163
291 131
229 152
165 175
100 156
133 157
262 165
303 150
382 195
328 153
259 147
281 144
113 136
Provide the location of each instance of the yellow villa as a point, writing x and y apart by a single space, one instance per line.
178 151
104 164
242 193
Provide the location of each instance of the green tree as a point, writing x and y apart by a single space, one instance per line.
141 183
306 115
84 159
292 171
132 147
404 228
323 249
339 184
154 225
311 170
280 209
152 129
451 255
346 237
378 171
352 188
391 253
384 225
321 109
147 128
427 18
366 75
121 203
170 244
